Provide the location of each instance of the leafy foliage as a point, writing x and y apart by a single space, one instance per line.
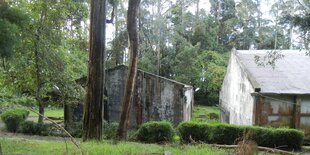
11 21
155 132
228 134
51 44
12 118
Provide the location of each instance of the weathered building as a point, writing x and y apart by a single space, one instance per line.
155 98
253 94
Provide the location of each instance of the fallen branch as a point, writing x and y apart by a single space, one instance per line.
60 127
267 149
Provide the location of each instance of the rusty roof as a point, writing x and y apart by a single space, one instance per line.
290 74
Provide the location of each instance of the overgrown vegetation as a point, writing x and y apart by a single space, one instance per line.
205 113
218 133
109 130
13 118
42 129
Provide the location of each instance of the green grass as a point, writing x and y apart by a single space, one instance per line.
26 146
50 112
204 110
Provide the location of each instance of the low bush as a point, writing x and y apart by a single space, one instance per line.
194 132
225 133
229 134
155 132
28 127
109 130
75 129
33 128
12 118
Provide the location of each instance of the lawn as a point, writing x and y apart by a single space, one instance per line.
26 146
197 111
50 112
204 110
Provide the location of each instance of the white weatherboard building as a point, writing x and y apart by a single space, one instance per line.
265 95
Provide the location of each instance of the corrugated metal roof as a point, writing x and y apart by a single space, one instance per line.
290 75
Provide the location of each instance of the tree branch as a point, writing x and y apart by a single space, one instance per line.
108 21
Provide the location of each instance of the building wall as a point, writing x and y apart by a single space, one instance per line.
240 104
275 110
305 115
278 111
155 98
236 101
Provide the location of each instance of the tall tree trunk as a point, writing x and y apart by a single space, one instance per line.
158 49
306 40
93 110
39 81
197 9
133 6
276 29
118 57
38 78
291 37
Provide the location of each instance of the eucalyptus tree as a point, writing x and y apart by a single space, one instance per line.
302 20
116 52
12 22
246 24
41 63
93 109
132 28
224 12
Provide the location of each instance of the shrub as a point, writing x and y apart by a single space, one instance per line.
33 128
43 129
190 131
75 129
12 118
228 134
289 138
109 130
155 132
27 127
225 134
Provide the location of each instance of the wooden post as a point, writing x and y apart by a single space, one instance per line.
258 109
296 112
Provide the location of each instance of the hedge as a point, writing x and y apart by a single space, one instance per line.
228 134
155 132
13 117
34 128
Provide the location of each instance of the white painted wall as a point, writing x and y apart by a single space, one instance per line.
235 94
187 108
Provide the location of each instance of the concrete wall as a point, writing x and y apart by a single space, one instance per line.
236 101
278 110
305 115
155 98
275 110
240 105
